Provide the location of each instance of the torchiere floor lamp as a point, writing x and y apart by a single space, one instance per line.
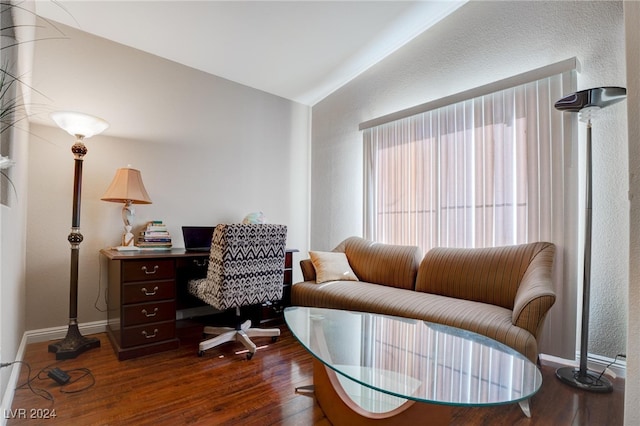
587 103
81 126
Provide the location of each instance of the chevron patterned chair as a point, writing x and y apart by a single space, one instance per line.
246 267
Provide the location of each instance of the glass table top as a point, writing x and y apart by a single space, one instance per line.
383 360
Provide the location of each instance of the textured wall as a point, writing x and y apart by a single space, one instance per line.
632 389
481 43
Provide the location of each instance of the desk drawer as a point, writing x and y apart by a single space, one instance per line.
143 313
148 292
147 270
146 334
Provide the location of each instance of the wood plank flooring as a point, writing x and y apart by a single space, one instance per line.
223 388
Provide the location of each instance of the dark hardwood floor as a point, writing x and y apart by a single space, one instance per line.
223 388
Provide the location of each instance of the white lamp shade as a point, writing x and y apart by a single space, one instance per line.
79 124
127 186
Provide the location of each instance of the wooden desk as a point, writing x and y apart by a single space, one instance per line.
146 288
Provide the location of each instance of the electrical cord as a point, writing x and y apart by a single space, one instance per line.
85 372
76 374
42 393
79 373
610 364
95 304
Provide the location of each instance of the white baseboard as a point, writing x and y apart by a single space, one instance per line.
595 363
33 336
55 333
12 384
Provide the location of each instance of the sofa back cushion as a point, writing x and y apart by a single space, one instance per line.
489 275
386 264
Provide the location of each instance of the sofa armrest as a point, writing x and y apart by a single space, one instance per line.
536 294
308 271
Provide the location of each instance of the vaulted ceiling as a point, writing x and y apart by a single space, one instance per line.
299 50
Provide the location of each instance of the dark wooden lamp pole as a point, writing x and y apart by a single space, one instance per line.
75 343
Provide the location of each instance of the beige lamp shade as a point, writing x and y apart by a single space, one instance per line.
126 187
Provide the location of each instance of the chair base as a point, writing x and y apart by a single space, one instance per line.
242 334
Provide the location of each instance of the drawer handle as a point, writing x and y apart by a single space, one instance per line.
201 263
148 315
150 336
149 293
155 269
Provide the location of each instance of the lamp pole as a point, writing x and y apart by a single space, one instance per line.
587 103
75 343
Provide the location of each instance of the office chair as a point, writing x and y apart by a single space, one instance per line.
246 267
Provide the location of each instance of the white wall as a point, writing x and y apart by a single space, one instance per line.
480 43
632 389
242 151
12 261
13 224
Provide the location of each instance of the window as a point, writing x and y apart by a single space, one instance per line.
497 165
486 171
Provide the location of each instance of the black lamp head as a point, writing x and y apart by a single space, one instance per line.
598 97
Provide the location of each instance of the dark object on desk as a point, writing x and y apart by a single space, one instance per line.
246 268
197 238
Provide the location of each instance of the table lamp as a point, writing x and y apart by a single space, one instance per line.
127 188
81 126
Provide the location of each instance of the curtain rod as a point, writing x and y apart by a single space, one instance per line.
526 77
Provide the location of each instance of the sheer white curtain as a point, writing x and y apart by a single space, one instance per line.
497 169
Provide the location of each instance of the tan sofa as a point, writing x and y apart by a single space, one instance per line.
501 292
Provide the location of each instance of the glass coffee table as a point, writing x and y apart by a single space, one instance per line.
384 369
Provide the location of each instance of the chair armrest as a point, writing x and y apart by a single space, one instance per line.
536 294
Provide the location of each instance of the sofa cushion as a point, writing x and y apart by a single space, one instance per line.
386 264
331 266
488 275
489 320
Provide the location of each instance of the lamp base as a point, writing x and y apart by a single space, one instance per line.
73 344
587 380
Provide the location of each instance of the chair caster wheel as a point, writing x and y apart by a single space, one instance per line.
249 356
274 339
200 353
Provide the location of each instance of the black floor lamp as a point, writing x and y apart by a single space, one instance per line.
81 126
587 103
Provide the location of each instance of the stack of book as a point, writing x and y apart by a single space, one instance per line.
155 236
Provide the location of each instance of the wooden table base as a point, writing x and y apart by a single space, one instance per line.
340 409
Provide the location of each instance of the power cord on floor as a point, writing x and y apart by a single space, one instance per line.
42 393
73 376
65 378
610 364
